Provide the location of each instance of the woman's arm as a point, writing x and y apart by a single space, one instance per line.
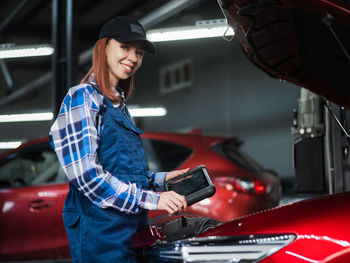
157 180
74 137
170 201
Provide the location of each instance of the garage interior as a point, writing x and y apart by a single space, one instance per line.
223 94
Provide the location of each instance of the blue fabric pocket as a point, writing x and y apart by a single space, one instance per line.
70 217
123 120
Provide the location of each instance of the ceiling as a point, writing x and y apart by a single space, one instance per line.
28 22
25 22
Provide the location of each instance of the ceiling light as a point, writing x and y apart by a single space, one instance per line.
202 29
48 116
26 51
148 112
10 145
41 116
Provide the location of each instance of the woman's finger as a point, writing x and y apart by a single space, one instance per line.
172 202
180 200
169 210
172 205
184 170
175 173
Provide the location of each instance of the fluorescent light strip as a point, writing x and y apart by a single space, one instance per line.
10 145
148 112
190 32
26 51
42 116
48 116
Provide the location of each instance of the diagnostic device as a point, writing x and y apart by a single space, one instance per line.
195 185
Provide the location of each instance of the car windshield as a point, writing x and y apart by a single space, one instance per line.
231 151
163 155
39 164
33 166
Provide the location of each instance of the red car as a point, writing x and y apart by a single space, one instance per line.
305 42
33 189
314 230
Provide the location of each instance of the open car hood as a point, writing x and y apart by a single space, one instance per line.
312 230
306 42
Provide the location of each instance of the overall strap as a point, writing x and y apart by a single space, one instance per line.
101 111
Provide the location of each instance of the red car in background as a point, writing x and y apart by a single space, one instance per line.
33 189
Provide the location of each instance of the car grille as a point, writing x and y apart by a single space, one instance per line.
223 249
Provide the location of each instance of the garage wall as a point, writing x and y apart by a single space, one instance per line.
229 96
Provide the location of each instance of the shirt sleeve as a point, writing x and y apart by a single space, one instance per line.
75 139
157 180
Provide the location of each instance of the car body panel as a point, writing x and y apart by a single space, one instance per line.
34 215
31 216
320 226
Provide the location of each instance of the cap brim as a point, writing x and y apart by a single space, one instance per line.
147 45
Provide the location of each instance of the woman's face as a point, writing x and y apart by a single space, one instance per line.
123 59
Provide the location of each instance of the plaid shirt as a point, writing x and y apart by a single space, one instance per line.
75 137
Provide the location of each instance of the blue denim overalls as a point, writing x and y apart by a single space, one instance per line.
103 235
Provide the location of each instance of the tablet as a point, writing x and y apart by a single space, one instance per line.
195 185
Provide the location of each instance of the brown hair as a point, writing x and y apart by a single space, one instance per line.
100 69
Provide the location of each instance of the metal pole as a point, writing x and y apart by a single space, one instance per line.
69 37
7 75
329 151
59 78
337 152
13 14
64 60
54 28
165 11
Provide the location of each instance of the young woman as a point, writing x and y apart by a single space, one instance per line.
101 151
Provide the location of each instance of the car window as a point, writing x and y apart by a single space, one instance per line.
32 166
163 155
39 164
231 151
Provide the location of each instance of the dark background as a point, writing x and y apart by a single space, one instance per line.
228 95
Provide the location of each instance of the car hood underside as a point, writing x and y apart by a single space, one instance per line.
306 42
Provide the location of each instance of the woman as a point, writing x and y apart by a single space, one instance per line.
100 149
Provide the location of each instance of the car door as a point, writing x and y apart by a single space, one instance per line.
31 205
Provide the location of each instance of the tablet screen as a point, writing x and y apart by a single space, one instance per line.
189 184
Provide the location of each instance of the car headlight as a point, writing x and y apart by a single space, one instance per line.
224 249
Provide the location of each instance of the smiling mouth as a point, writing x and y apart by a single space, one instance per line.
127 68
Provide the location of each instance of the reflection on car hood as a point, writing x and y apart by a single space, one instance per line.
305 42
326 215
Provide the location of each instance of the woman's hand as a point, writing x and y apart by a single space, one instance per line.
172 202
175 173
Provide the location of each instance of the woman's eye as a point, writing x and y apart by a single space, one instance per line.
140 53
124 47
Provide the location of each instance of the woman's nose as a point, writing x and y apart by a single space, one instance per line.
132 56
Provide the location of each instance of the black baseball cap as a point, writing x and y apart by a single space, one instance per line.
126 29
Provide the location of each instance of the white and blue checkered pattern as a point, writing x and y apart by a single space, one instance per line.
75 136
